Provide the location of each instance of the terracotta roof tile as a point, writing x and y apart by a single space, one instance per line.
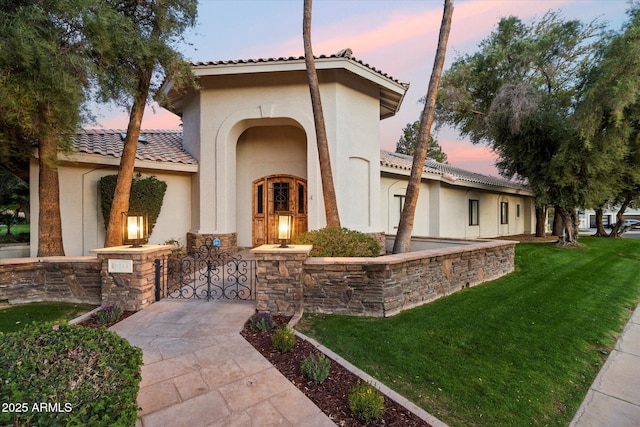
450 173
153 145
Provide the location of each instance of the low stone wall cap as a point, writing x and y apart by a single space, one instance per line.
276 249
129 250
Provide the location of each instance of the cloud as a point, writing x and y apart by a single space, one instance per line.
154 117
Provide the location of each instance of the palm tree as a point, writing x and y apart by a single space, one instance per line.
328 190
405 228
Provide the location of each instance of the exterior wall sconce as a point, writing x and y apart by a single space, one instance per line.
284 229
135 228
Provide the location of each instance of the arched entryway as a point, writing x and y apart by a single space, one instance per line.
273 196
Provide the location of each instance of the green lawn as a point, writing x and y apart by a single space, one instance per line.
15 229
519 351
20 316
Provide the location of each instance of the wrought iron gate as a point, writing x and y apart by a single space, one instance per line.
207 274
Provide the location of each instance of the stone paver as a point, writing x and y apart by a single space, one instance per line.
199 371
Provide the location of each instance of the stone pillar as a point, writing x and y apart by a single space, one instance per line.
128 274
228 242
280 274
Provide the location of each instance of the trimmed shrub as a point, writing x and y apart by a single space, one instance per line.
366 402
68 375
339 242
108 314
262 321
146 196
315 368
283 339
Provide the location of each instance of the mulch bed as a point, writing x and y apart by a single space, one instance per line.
331 396
92 322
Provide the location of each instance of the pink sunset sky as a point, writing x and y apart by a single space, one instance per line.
397 37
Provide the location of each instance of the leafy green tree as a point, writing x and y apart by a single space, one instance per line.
14 198
608 114
518 95
407 143
132 59
43 78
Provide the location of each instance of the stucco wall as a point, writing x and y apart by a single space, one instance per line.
230 105
443 210
82 222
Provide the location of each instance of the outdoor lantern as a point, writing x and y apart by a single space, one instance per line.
135 228
284 229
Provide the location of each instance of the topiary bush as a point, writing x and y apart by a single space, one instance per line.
366 402
339 242
147 195
316 368
68 375
283 339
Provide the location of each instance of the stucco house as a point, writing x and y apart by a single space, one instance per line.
247 153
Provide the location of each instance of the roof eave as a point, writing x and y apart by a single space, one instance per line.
391 95
457 182
107 160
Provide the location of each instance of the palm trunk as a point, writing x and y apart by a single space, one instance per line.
326 173
405 227
49 220
120 201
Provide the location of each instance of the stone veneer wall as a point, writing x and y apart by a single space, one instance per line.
131 291
228 242
387 285
279 271
70 279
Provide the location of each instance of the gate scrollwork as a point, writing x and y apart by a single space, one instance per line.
206 274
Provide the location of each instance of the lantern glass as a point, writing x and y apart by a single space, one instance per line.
284 229
135 228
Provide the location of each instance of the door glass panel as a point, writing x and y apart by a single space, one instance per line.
281 197
260 201
301 199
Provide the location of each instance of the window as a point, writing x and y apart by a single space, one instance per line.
400 202
301 199
281 197
504 213
518 210
474 212
259 201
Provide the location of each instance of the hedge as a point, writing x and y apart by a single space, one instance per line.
68 375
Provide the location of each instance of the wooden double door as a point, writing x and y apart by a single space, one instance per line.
273 196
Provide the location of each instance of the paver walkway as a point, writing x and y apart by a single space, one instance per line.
614 397
199 371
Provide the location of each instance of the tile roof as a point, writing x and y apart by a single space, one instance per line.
344 53
153 145
448 172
